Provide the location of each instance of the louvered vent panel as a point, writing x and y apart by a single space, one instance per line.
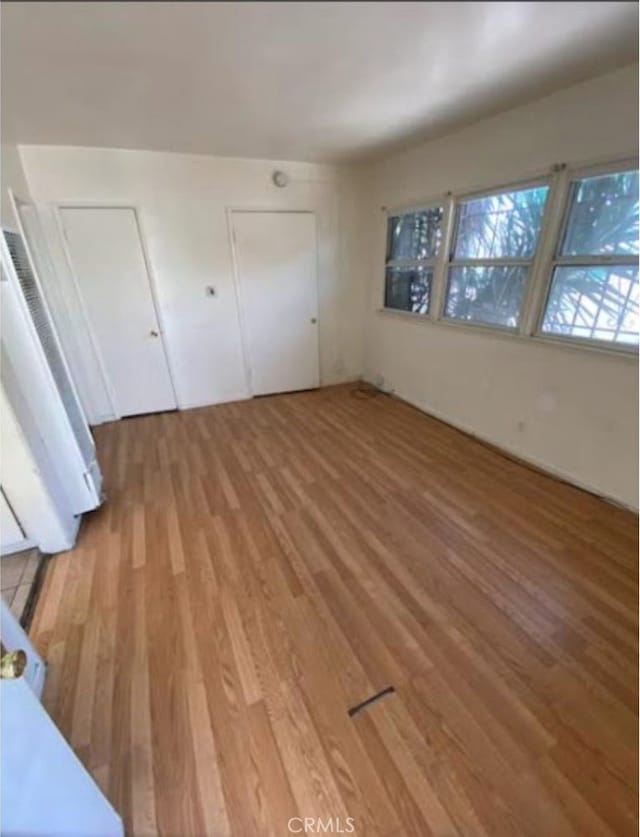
42 323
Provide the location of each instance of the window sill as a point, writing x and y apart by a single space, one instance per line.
508 334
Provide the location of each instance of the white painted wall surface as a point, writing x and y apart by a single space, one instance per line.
571 411
182 202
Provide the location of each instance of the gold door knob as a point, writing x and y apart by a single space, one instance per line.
13 664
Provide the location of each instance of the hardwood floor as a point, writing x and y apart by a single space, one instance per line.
261 567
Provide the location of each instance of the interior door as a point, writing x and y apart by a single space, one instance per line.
277 264
46 790
113 283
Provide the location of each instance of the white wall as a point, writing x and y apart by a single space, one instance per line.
572 411
182 202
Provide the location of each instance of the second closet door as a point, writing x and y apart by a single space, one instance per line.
276 260
113 282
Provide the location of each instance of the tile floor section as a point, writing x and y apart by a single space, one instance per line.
17 575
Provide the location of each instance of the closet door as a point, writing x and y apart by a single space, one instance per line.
276 264
113 282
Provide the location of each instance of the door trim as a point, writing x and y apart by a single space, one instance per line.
58 209
237 282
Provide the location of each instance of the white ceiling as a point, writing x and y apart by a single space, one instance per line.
297 81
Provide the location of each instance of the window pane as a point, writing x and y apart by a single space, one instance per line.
488 294
603 218
415 235
500 226
596 303
408 288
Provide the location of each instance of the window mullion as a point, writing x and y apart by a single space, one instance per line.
409 263
501 262
594 260
624 308
541 269
438 289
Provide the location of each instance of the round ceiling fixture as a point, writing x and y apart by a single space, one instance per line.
280 178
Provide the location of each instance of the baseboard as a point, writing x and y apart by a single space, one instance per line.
244 396
227 399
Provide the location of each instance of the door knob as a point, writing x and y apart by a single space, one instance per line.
313 320
153 333
13 664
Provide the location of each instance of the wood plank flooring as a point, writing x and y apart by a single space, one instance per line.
260 567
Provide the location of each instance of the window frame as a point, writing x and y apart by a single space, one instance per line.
567 180
538 286
431 262
451 261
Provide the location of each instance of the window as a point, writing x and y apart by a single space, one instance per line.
594 291
518 261
413 243
495 241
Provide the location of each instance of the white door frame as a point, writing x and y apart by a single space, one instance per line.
237 282
57 212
